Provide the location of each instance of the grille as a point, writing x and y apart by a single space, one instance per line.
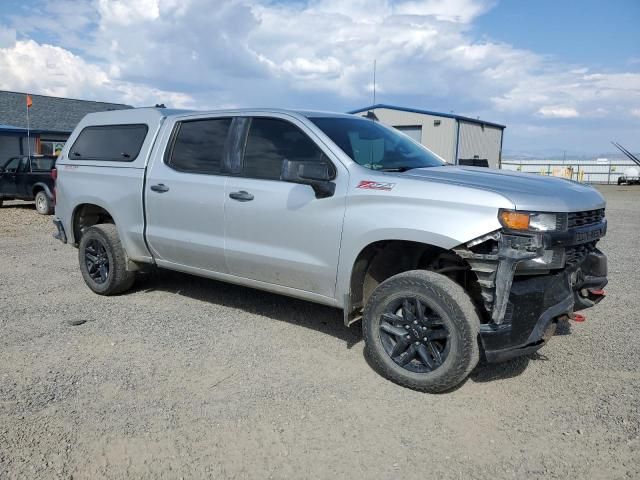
589 217
576 253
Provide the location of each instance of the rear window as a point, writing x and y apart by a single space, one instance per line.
112 143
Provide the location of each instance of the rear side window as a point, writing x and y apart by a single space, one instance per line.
42 164
112 143
270 142
199 145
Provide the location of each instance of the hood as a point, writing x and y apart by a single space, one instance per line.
525 191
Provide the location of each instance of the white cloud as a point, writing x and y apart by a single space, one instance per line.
49 70
312 54
558 111
128 12
635 112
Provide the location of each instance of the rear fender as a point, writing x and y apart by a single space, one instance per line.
41 186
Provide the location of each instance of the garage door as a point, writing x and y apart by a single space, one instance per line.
413 132
480 142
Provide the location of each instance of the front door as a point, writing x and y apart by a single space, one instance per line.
279 232
8 176
185 195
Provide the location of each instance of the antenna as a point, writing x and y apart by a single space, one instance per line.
374 81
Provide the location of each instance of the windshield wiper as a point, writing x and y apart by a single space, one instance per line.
395 169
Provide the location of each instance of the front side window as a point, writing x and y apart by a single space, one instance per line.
12 165
270 142
376 146
199 145
113 143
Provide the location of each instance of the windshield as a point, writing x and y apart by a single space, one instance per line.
376 146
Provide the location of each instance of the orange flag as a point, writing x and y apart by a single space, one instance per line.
29 101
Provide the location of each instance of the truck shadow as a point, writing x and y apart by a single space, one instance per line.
305 314
489 372
20 206
276 307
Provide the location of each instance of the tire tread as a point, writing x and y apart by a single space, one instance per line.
454 297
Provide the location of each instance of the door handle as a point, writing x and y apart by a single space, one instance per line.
160 188
241 196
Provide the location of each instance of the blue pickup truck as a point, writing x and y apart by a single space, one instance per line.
29 178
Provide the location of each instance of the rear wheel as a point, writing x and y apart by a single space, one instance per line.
421 331
44 205
103 261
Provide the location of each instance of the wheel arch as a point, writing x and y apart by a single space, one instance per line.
86 215
38 187
382 259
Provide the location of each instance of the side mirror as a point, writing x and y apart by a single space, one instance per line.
315 174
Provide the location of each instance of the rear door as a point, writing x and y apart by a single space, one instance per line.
279 232
185 194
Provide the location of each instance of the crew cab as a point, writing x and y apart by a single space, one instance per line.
443 265
29 178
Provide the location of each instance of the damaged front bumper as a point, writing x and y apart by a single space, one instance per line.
530 280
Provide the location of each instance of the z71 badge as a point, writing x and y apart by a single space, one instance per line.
371 185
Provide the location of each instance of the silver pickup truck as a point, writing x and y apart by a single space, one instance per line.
443 265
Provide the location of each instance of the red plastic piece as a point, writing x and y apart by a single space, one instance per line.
576 317
598 292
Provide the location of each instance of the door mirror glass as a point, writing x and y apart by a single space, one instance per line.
316 174
303 172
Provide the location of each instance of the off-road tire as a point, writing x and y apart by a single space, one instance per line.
44 205
118 279
457 312
1 200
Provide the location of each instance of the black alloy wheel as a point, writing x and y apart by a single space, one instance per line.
103 261
421 331
414 335
97 261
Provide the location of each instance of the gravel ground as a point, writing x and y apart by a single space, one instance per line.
186 377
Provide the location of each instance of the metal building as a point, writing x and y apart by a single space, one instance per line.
457 139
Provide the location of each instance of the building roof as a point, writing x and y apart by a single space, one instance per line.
50 114
428 112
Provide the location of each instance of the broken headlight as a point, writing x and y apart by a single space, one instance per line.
529 221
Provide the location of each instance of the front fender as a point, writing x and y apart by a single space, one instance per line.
444 216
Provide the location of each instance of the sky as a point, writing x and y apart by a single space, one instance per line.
562 75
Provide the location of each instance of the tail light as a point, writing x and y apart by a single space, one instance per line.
54 176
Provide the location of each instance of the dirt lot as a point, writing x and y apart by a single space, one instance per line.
186 377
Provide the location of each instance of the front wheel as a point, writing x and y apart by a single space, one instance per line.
44 205
103 262
421 331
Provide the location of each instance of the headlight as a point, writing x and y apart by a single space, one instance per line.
530 221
